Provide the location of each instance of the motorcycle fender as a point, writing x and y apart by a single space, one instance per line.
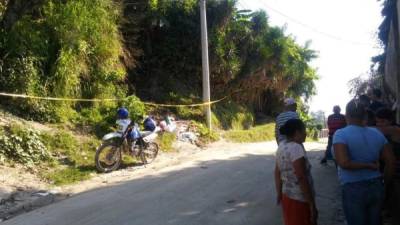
112 135
151 137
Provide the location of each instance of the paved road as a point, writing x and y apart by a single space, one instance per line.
226 185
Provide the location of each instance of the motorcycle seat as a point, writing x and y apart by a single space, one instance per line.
145 133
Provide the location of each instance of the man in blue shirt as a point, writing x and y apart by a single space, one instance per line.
358 150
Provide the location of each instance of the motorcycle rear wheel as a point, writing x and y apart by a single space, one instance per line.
108 157
149 152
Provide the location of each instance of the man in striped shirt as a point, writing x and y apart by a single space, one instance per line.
290 113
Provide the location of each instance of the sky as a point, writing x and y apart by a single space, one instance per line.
343 32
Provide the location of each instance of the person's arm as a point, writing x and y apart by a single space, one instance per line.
389 158
300 170
278 184
392 131
276 132
343 160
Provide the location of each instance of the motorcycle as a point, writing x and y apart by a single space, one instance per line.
128 140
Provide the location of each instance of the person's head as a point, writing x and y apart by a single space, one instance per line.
122 113
376 94
336 109
355 112
290 104
365 100
294 130
384 117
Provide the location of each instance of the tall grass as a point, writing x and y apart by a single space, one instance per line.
255 134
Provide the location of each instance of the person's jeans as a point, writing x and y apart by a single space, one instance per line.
363 201
328 153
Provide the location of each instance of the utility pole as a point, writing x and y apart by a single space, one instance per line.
205 63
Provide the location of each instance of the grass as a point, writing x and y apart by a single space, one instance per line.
255 134
68 175
75 157
166 141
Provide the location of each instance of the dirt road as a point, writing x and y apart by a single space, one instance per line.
228 184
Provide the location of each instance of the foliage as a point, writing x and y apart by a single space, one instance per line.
363 84
135 107
251 60
206 135
230 115
70 49
75 157
319 118
312 125
85 48
256 134
22 145
65 146
101 120
67 175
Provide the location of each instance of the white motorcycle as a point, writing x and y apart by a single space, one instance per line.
128 140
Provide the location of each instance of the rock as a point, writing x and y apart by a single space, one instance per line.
43 200
55 191
41 193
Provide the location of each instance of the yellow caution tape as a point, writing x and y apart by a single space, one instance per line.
58 99
190 105
106 99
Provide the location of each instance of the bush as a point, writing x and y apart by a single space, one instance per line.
75 157
135 107
66 49
206 135
64 145
230 115
23 145
186 113
255 134
166 141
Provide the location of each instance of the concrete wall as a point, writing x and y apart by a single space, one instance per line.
392 68
391 62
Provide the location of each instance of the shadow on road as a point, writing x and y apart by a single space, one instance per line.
238 190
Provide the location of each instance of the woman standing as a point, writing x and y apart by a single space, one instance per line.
293 180
358 149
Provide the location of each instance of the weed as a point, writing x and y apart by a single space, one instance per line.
22 145
230 115
68 175
255 134
166 141
206 135
76 156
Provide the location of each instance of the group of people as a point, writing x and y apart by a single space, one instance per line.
365 145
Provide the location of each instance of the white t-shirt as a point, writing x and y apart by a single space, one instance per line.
287 153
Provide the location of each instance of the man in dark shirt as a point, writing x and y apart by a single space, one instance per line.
336 121
377 102
385 123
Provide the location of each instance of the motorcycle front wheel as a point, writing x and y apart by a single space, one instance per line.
108 157
149 152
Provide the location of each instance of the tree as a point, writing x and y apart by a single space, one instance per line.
16 9
319 117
